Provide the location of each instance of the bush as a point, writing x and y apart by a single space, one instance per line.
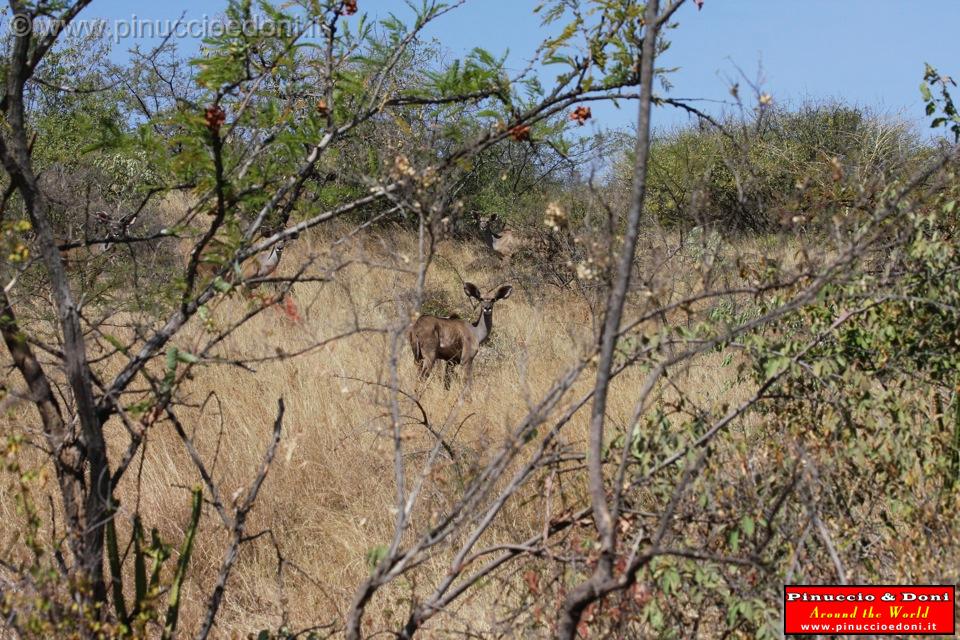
782 167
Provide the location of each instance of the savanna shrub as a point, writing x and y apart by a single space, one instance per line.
782 167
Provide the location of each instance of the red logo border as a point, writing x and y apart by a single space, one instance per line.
952 587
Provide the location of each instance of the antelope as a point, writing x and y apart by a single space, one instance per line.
504 242
75 253
262 265
75 256
252 272
454 340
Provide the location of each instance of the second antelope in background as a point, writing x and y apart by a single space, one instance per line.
262 265
253 270
501 240
454 339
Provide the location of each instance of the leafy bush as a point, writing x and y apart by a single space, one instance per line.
780 168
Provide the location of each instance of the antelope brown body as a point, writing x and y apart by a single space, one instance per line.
454 340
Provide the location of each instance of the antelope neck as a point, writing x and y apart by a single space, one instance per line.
275 252
482 327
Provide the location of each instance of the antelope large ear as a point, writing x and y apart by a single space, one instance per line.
503 292
471 290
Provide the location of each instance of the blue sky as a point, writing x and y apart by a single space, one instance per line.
869 52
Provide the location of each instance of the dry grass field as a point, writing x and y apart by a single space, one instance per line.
329 497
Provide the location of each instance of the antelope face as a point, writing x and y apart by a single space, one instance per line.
489 224
278 248
486 303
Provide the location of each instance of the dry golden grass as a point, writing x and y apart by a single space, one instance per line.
329 496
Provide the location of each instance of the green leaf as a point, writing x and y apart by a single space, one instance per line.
171 359
654 615
376 555
221 285
139 566
670 580
775 366
735 540
189 358
115 342
170 373
173 610
747 525
159 552
116 575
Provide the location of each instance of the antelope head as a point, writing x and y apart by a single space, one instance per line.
484 323
498 238
491 225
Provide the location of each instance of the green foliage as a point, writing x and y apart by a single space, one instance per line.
944 102
147 605
40 604
786 167
375 555
125 173
480 72
872 404
284 633
176 585
585 34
